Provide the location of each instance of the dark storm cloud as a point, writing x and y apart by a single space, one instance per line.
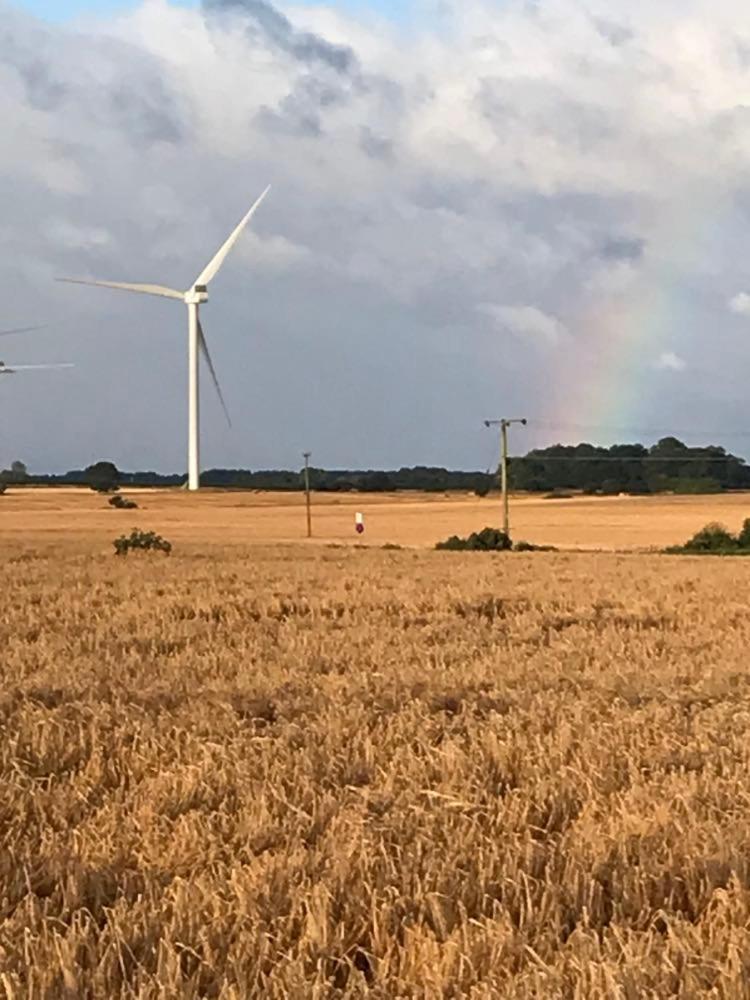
277 29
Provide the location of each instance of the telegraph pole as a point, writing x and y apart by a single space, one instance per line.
504 423
306 455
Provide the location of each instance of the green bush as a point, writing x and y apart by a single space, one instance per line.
122 503
486 540
713 538
743 539
717 540
141 541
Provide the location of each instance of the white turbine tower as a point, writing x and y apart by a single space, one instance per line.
193 298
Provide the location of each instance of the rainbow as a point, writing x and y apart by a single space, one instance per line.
609 384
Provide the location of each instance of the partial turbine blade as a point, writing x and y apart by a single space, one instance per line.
204 351
20 329
28 368
211 270
168 293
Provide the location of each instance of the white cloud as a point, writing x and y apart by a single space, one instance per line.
527 321
740 304
669 361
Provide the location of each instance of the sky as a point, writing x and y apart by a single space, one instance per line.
479 209
66 10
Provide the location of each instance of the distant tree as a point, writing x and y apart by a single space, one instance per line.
103 477
18 472
668 446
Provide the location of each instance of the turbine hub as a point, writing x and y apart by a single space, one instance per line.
197 295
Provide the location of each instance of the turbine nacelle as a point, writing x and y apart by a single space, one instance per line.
196 295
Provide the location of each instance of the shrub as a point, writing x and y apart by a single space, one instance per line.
530 547
743 539
143 541
3 488
122 503
558 495
713 538
486 540
716 539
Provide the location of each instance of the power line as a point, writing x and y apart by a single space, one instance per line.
531 457
669 431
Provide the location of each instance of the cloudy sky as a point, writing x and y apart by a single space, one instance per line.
530 208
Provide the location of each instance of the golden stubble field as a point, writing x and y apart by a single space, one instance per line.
273 771
216 517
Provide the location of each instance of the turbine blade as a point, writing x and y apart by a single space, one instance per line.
19 329
211 269
204 351
168 293
29 368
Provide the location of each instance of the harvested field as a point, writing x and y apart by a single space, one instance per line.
265 771
410 519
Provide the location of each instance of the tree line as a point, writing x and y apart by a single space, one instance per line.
420 478
668 466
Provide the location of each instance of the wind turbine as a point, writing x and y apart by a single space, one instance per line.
193 298
14 369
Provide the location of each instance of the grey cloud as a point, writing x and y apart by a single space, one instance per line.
332 77
616 34
148 114
279 31
376 146
290 118
623 248
528 104
27 56
139 101
301 112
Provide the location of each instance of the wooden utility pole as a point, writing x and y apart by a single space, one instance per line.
504 423
306 456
